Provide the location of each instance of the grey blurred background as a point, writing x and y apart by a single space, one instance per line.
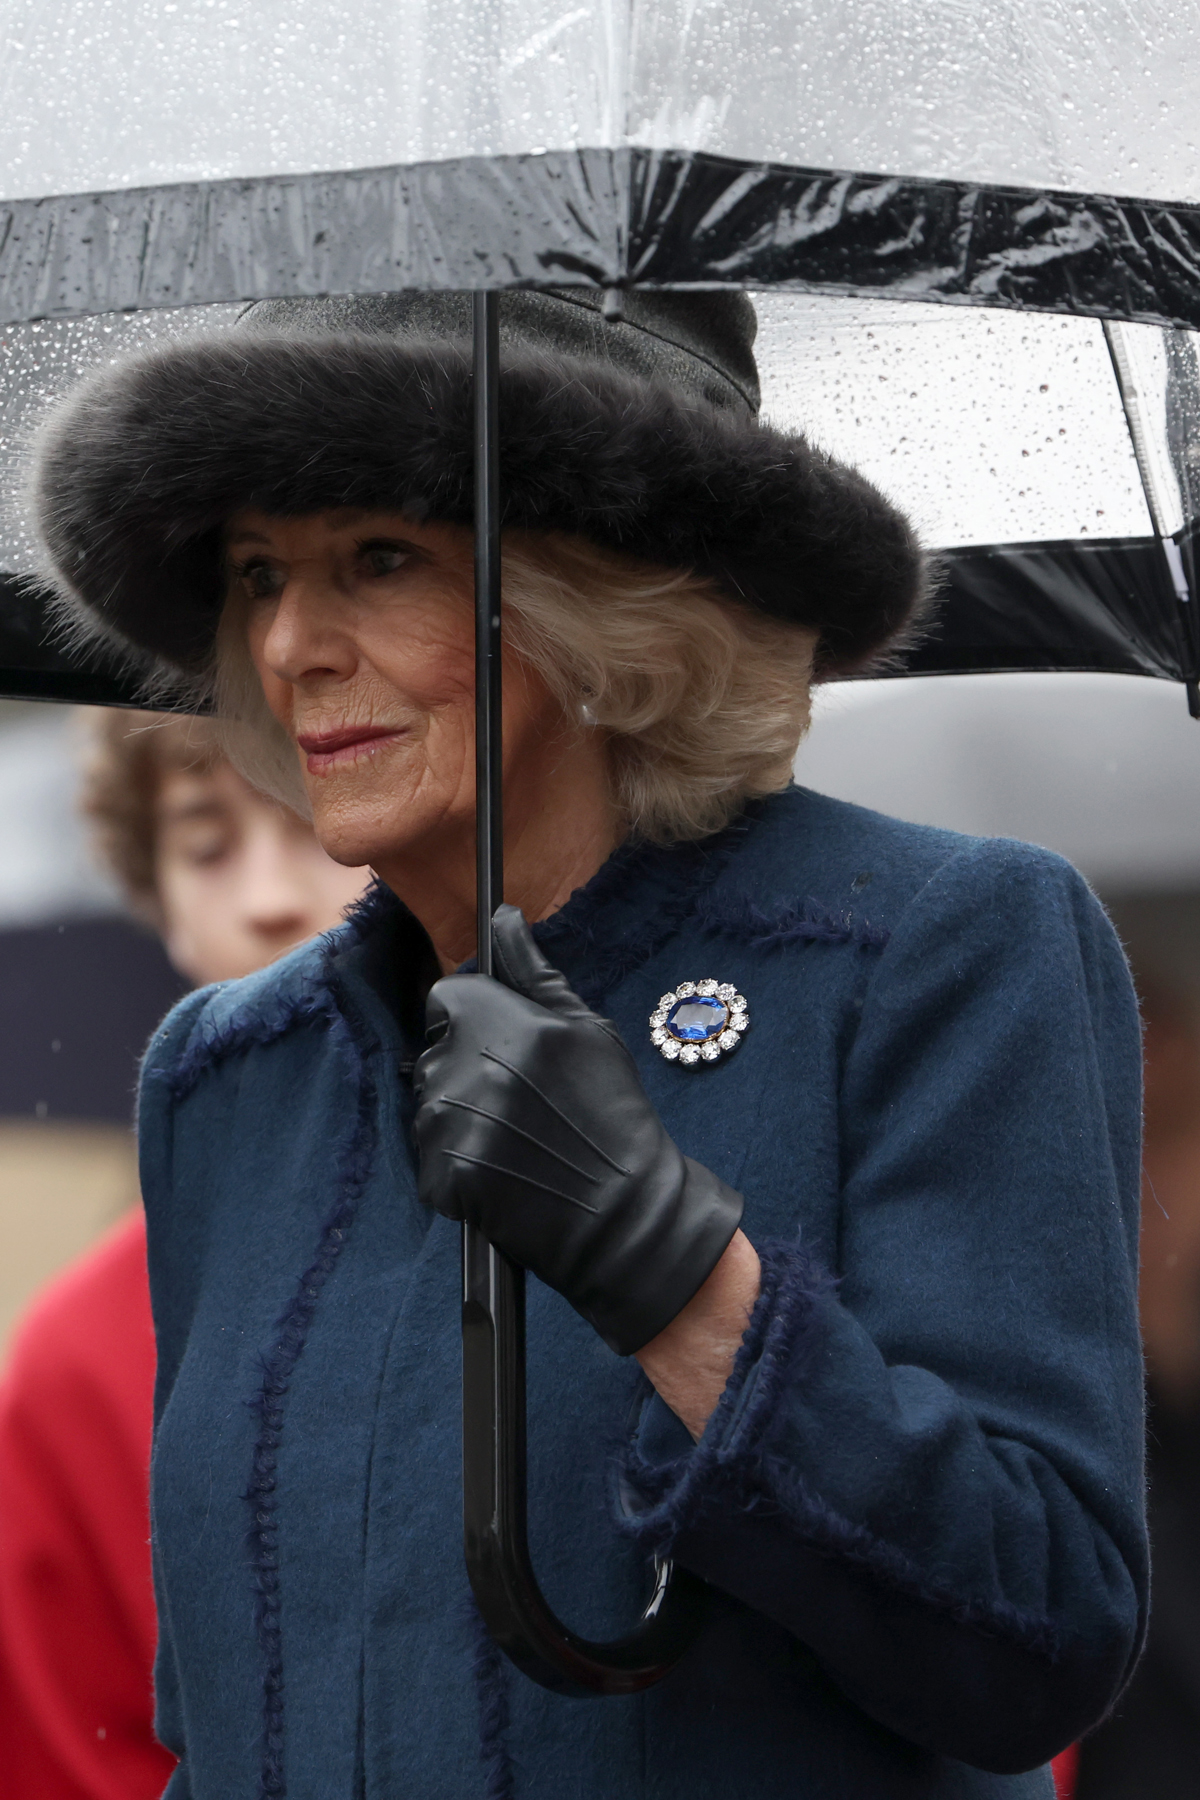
81 988
1104 769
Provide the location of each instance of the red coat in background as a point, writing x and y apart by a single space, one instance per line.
1065 1767
77 1626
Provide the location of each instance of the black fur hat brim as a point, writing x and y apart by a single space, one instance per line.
139 470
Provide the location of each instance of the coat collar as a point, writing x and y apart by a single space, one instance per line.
609 927
631 907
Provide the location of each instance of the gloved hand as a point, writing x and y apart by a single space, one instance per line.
533 1124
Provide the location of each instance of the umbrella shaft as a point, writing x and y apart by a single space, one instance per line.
493 1314
489 805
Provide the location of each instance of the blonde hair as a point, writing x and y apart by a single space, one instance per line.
702 701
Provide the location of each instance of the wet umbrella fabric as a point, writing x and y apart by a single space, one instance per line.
1018 152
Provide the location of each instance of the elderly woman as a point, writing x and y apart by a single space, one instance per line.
820 1131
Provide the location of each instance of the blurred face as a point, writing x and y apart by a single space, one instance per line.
240 880
361 629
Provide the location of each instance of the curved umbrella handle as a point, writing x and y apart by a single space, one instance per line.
494 1533
494 1511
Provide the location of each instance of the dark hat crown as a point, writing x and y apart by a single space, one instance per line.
699 344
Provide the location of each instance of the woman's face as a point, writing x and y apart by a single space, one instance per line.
361 628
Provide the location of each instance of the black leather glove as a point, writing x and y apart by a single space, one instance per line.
533 1124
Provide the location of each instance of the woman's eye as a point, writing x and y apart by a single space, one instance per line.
260 580
383 558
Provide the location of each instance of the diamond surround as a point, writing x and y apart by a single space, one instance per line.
699 1022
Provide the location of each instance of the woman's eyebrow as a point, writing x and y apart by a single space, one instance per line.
246 537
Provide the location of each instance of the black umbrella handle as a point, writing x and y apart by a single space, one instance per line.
494 1511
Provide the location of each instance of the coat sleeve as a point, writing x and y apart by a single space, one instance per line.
928 1462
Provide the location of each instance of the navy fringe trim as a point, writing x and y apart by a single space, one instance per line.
673 877
269 1014
606 971
262 1020
725 1469
376 903
488 1667
786 924
278 1364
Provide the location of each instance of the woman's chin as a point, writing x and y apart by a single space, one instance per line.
356 835
389 808
352 842
351 852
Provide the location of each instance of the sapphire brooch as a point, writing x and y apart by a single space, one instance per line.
699 1022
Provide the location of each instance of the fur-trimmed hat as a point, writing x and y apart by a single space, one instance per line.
639 433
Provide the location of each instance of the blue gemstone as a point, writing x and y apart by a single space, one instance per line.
697 1019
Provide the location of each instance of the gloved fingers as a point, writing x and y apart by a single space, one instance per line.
455 997
521 965
463 1013
437 1018
483 1004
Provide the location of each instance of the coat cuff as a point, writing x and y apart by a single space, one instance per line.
732 1481
666 1480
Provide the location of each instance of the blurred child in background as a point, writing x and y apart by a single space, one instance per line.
231 881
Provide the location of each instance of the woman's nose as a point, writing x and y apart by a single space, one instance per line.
303 640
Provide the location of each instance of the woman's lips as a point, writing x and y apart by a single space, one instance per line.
328 750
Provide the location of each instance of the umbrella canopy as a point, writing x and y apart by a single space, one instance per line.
1021 152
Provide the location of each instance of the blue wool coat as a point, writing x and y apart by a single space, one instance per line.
920 1500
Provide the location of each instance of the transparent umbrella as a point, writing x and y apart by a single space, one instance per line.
973 235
